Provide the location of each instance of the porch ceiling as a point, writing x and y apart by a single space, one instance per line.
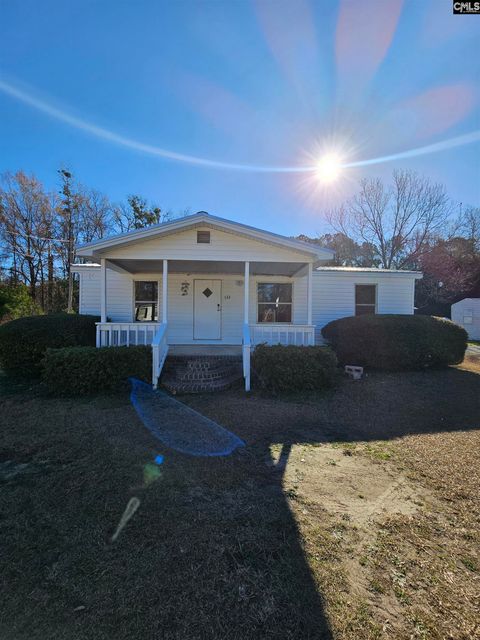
209 266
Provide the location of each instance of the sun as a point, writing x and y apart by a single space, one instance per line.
329 168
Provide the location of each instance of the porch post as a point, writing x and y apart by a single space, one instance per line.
165 292
103 290
246 291
311 338
309 292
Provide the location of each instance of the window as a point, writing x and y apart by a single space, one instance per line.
468 316
274 302
365 299
203 237
146 301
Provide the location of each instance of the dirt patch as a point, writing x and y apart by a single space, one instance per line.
349 486
356 488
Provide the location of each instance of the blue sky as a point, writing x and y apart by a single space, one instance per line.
270 83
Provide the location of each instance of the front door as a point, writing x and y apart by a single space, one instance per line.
207 310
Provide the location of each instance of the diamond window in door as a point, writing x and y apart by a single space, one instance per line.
207 292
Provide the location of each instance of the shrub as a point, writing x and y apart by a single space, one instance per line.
15 302
396 342
88 370
290 368
23 342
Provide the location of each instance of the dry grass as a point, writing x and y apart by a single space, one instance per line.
298 536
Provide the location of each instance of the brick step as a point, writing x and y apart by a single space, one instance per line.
200 374
197 386
202 363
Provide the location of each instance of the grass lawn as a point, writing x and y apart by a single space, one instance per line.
349 515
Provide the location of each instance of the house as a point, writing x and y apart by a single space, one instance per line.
466 313
207 285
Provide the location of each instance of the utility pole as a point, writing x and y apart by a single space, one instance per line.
68 206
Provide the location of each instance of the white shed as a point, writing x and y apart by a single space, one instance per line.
466 313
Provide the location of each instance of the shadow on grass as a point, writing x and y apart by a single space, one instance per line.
212 552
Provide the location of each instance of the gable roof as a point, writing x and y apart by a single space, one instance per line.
204 219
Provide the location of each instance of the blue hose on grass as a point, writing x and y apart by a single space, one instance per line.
178 426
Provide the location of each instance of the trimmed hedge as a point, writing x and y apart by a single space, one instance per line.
284 369
88 370
23 342
396 342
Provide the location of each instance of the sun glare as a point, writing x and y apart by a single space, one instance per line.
329 168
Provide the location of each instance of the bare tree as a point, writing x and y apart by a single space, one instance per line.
95 215
397 220
469 227
25 213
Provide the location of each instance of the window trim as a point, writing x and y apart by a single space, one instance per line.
467 313
291 283
362 304
134 298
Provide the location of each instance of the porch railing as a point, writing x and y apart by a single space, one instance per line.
159 353
296 334
124 334
246 346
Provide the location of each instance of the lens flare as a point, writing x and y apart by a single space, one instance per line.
312 169
329 168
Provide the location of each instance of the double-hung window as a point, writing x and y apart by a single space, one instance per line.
274 302
365 299
146 301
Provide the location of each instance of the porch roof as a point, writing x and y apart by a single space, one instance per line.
134 266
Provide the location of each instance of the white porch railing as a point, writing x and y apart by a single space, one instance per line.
296 334
246 345
159 353
124 334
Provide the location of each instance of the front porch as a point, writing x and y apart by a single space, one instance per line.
195 308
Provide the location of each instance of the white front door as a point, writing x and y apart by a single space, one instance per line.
207 310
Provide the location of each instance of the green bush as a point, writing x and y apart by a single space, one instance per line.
87 370
396 342
15 302
23 342
283 369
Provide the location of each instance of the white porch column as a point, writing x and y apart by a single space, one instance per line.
246 293
165 292
309 292
103 290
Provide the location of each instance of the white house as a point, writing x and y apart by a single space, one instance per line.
203 284
466 313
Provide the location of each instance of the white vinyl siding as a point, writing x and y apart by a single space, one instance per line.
222 246
334 294
333 297
119 294
89 294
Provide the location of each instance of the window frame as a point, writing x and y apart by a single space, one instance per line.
146 302
363 304
257 303
468 313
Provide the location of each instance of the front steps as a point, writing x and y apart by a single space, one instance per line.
200 374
